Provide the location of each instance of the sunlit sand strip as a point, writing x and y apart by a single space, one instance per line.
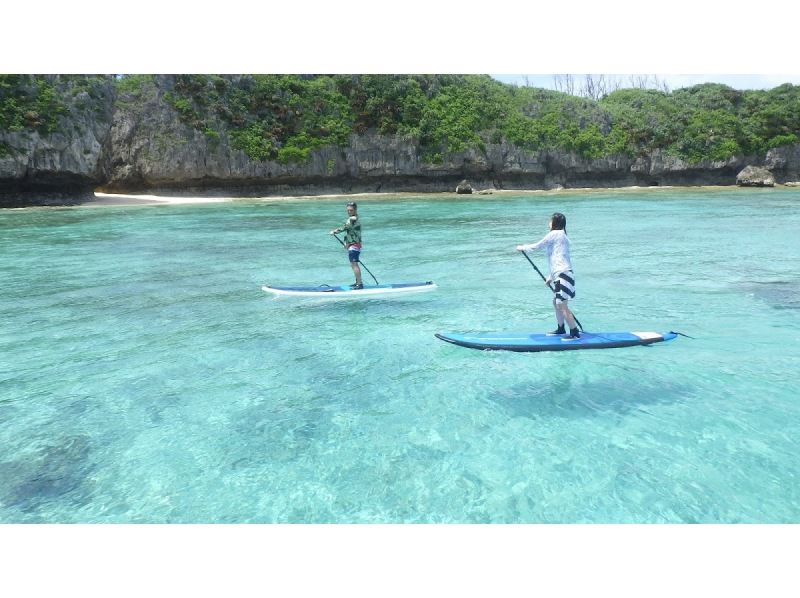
122 199
114 199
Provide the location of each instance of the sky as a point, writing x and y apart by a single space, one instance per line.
741 82
417 36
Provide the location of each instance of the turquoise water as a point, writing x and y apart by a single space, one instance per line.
145 377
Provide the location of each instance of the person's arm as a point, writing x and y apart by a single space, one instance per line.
544 241
341 229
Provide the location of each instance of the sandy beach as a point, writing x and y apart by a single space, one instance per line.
112 199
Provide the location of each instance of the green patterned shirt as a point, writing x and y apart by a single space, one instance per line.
352 231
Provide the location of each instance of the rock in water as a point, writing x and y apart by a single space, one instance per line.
755 176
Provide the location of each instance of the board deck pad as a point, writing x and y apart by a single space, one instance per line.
533 342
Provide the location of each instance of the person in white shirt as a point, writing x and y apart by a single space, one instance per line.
556 244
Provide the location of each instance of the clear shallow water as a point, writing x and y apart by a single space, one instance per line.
145 377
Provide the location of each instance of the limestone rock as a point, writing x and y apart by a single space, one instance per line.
135 141
62 166
464 187
755 176
784 162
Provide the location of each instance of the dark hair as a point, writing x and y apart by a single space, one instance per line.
352 204
559 221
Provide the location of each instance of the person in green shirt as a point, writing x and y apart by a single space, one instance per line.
352 241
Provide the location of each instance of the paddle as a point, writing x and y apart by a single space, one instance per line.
577 321
359 261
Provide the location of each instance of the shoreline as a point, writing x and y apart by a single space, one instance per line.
101 200
130 199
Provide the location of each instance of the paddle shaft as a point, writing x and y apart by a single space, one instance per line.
550 286
359 261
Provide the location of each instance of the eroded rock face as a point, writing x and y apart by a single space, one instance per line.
138 144
153 151
784 163
38 168
755 176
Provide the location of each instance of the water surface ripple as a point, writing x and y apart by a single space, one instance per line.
145 377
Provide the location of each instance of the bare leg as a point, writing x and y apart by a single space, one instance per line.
559 313
566 314
356 271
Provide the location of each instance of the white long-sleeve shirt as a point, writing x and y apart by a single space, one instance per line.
556 244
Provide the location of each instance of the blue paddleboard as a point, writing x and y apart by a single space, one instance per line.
525 341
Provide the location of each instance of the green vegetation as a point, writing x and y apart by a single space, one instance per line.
133 91
132 84
29 102
706 122
269 117
38 102
285 117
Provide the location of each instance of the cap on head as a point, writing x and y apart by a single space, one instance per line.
352 204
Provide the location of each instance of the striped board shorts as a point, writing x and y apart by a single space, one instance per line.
564 286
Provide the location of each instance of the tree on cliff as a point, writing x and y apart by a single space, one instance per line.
285 117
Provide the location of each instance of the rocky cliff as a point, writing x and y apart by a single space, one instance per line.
116 143
66 165
784 163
